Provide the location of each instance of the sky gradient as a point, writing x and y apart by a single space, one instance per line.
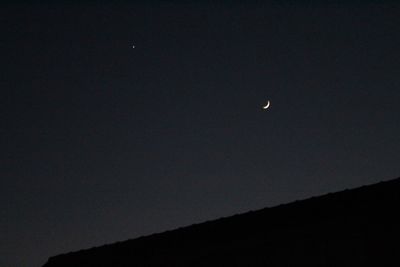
102 142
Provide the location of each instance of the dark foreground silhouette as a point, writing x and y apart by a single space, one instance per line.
355 227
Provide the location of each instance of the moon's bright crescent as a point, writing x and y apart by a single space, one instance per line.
267 105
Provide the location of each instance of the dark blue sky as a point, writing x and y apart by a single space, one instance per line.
101 142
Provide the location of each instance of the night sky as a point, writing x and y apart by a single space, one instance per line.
101 142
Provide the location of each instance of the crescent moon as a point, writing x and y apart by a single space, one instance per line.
267 105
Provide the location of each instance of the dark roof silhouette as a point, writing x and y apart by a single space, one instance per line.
355 227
